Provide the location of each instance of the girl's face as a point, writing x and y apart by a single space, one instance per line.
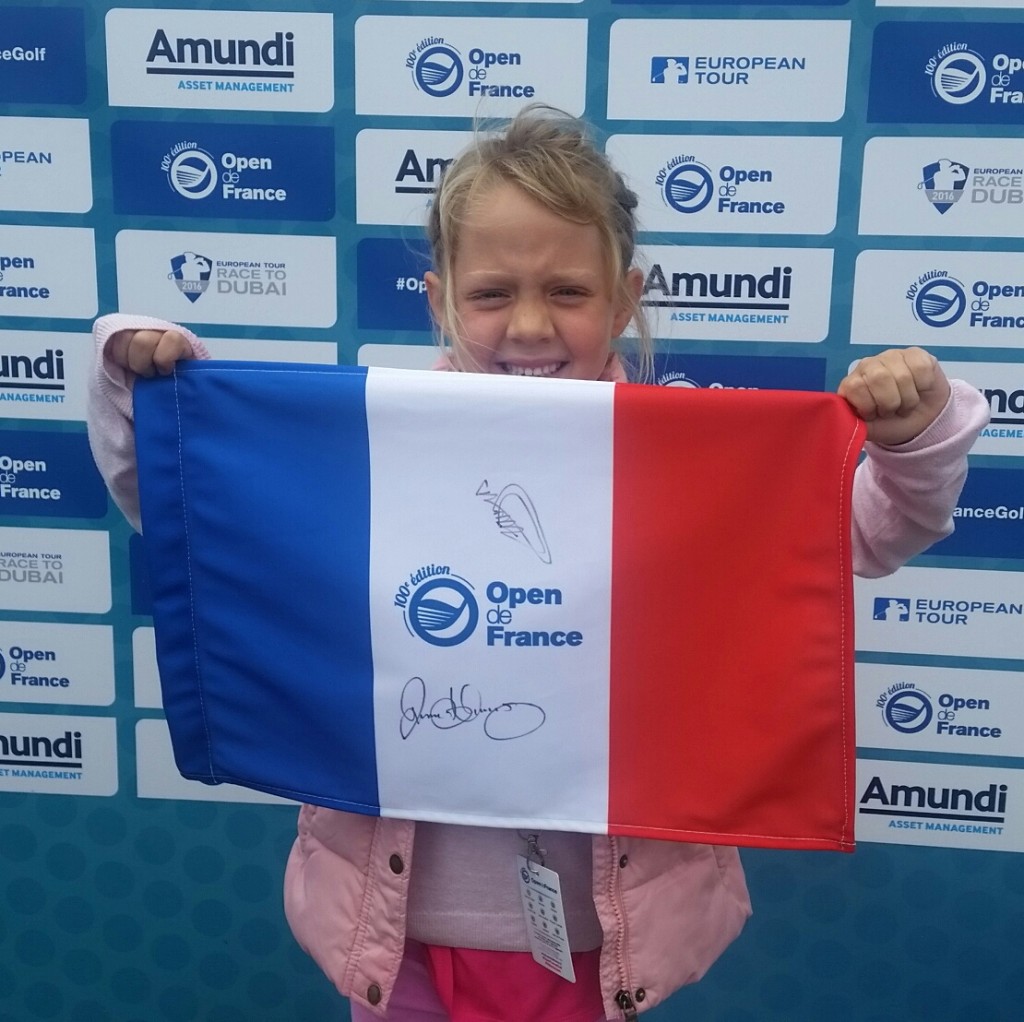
532 292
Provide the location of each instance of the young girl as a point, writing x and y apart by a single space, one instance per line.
533 234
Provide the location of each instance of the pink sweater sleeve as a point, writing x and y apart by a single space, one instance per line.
904 497
110 413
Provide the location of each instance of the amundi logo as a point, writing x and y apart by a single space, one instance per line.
252 58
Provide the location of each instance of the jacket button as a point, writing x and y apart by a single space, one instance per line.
373 994
396 864
640 995
623 861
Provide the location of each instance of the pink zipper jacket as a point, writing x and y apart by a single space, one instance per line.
667 909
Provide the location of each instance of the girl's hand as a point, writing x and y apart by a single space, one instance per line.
148 352
898 393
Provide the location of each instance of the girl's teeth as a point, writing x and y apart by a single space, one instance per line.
547 370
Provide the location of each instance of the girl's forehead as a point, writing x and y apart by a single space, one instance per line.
504 204
490 193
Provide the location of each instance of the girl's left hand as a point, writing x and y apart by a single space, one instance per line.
898 393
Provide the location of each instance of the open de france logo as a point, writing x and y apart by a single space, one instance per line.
191 171
688 188
906 708
436 66
190 272
958 74
438 607
676 378
943 183
937 300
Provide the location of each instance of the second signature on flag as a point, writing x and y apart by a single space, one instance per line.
501 722
516 517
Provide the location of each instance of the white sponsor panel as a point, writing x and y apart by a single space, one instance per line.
942 611
965 4
248 350
1002 383
45 165
469 67
220 60
737 294
252 279
56 663
940 709
727 70
939 805
723 184
397 172
943 187
48 272
43 374
398 356
61 570
158 777
934 298
57 755
148 695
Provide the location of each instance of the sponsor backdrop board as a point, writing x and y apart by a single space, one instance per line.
817 180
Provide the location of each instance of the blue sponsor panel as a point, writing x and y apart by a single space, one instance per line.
989 516
42 55
947 73
258 172
50 475
740 372
389 280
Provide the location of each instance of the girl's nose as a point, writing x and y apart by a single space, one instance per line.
530 321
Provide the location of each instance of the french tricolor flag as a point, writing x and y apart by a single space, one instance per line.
556 604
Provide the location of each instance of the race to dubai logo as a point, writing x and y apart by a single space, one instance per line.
943 183
191 274
957 73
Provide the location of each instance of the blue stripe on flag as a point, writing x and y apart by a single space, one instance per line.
307 672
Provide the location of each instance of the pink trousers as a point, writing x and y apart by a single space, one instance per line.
414 998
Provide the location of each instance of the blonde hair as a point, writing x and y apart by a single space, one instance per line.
550 156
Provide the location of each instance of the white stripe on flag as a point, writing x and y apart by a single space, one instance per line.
540 528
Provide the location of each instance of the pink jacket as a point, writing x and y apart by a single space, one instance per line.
667 909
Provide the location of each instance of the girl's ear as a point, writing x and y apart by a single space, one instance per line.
435 296
634 288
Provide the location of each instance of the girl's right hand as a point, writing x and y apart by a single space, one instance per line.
148 352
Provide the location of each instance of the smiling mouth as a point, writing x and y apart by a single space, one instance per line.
548 369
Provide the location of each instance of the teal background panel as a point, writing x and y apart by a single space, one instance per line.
134 909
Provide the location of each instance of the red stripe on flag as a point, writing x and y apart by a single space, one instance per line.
732 617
